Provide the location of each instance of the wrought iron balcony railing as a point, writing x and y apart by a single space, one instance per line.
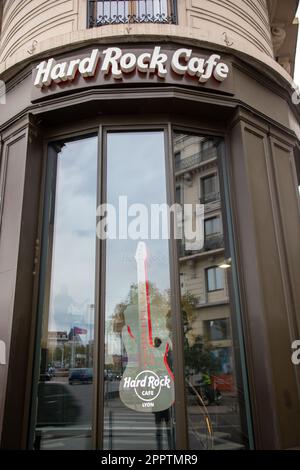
196 159
210 197
212 242
109 12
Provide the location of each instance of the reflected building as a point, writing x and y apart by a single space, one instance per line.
203 283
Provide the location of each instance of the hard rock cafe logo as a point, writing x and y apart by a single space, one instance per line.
119 64
147 385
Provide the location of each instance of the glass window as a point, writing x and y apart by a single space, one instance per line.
217 329
212 226
119 11
215 402
137 338
210 188
152 8
178 194
139 383
214 279
64 394
112 9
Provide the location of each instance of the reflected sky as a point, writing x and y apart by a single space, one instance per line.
135 168
73 264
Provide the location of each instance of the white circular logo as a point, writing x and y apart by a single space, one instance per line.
148 385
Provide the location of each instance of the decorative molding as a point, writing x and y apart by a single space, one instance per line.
246 19
278 36
55 13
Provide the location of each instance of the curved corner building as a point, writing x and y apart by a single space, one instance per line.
114 332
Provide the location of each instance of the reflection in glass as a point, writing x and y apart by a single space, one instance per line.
214 279
213 396
67 337
139 388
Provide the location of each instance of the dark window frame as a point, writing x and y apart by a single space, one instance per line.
213 234
206 280
169 128
203 197
208 327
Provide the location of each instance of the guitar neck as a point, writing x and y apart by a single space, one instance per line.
144 308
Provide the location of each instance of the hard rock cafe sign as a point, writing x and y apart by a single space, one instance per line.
147 383
109 65
117 63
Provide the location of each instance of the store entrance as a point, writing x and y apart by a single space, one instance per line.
136 327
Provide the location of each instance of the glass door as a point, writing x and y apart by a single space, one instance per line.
63 389
216 396
139 390
138 312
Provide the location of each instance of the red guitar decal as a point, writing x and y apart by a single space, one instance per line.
147 384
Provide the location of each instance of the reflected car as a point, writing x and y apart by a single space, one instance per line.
57 405
45 377
81 376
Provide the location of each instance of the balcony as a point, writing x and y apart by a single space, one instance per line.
110 12
212 242
210 197
195 160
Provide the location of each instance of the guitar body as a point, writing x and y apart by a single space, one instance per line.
147 383
148 387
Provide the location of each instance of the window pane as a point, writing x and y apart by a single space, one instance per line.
216 225
210 188
217 330
214 396
153 7
143 9
67 337
138 339
211 279
219 278
112 9
212 226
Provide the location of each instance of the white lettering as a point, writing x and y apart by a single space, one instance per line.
151 381
117 64
87 66
43 77
128 63
196 67
221 72
143 62
296 353
209 66
58 73
158 61
112 56
176 65
73 67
